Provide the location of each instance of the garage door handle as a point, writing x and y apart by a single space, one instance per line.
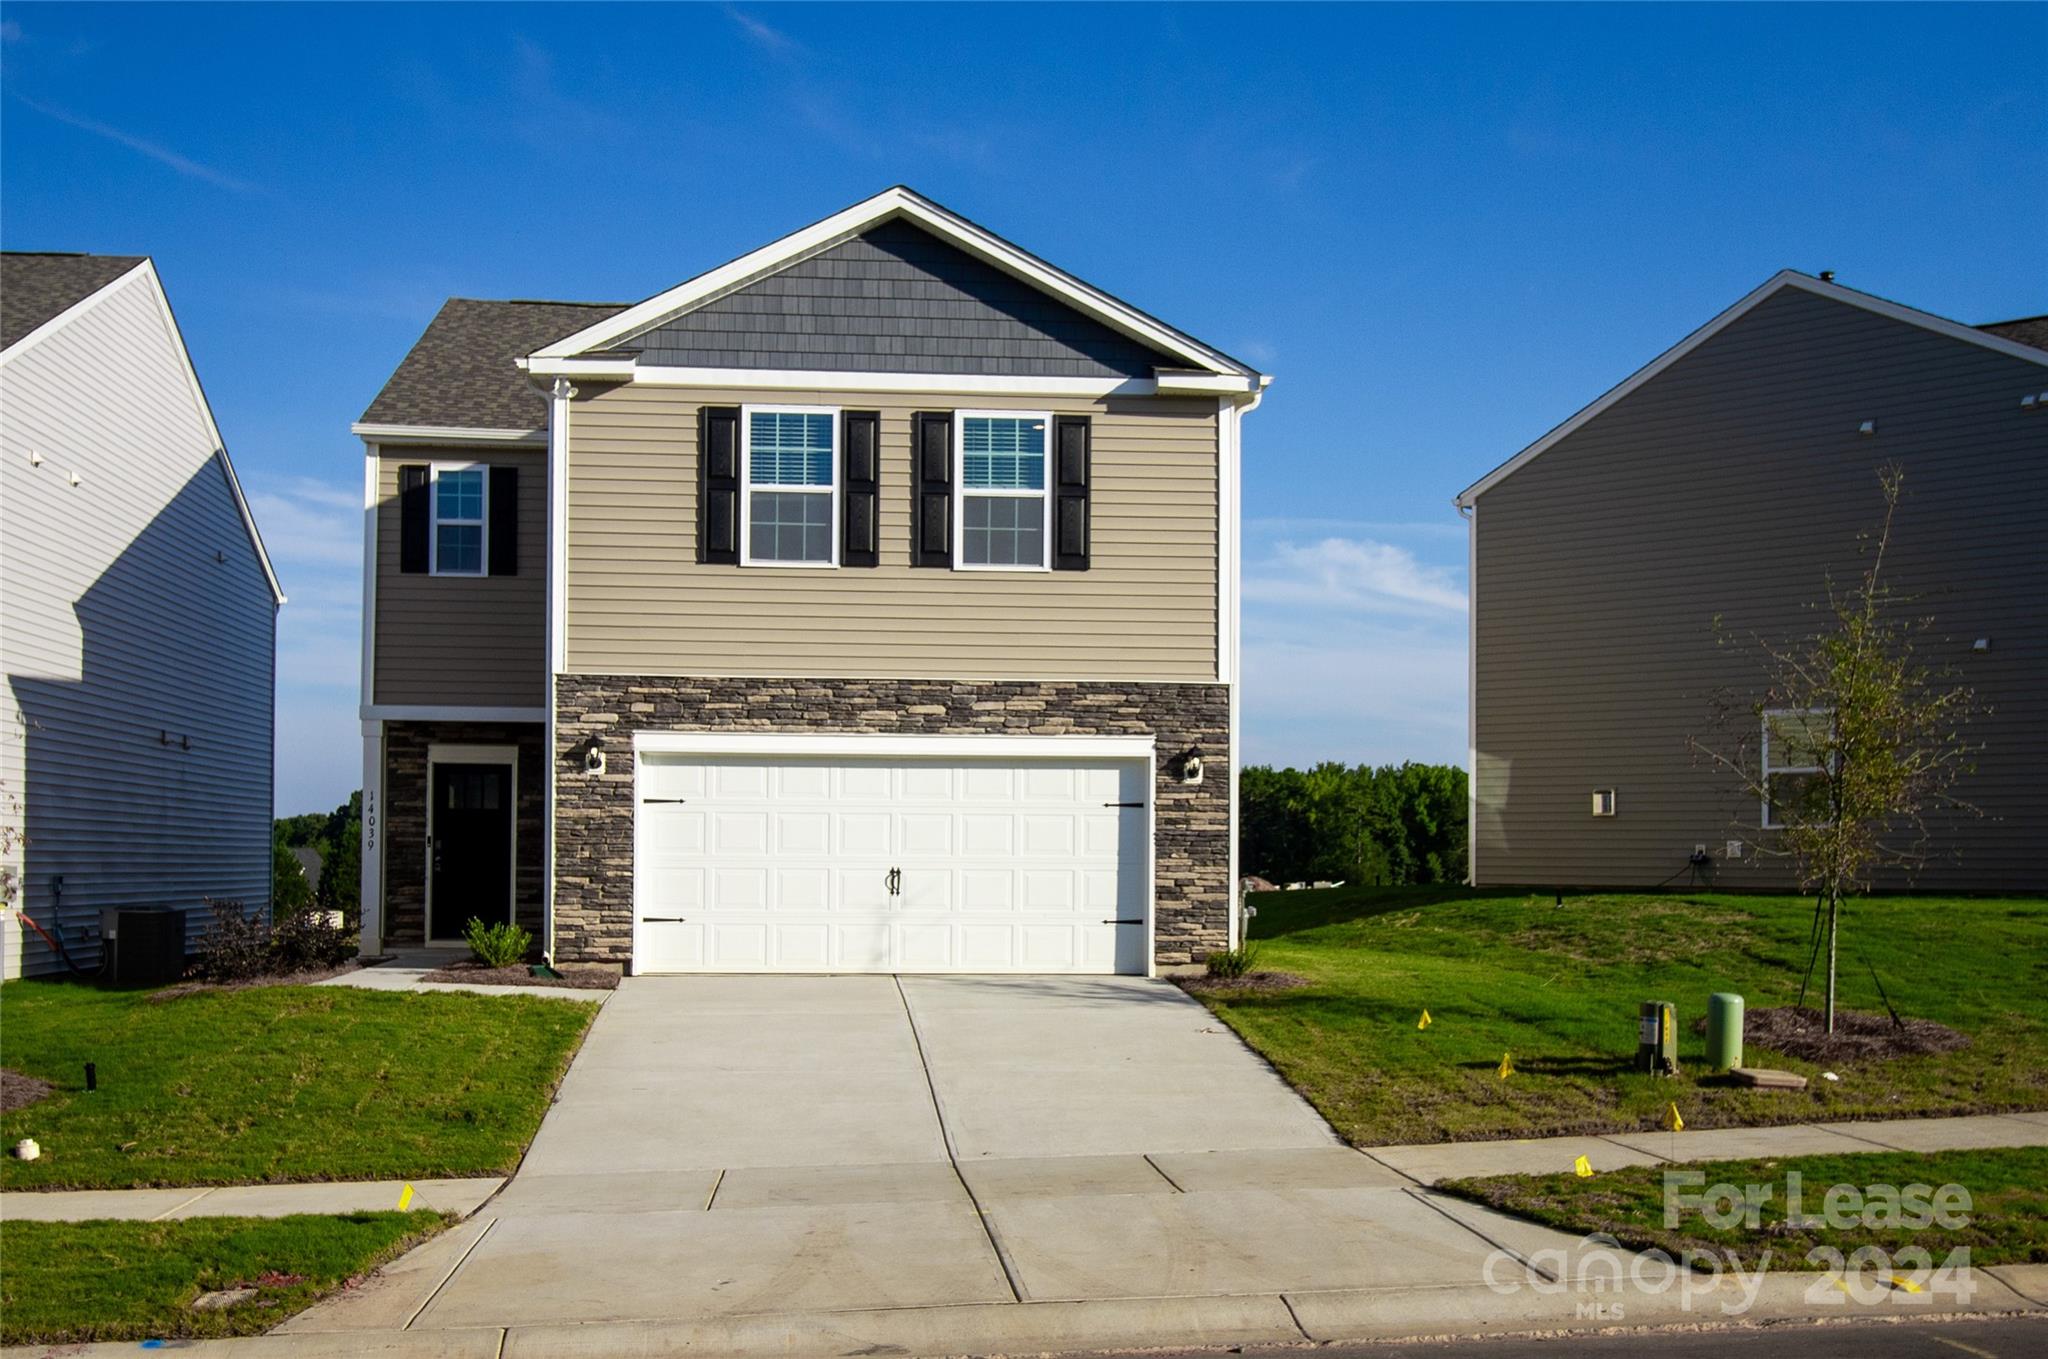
1134 920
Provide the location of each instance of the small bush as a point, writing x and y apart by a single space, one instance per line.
236 945
305 940
1232 962
499 945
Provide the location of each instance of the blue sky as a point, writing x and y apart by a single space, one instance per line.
1443 228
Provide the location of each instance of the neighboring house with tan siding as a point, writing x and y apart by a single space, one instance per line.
1730 479
867 603
138 621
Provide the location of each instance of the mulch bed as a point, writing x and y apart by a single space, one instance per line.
18 1091
1250 982
477 974
1858 1036
305 978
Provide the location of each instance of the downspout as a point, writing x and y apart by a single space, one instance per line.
1236 669
1470 514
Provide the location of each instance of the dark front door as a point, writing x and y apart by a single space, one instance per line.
470 868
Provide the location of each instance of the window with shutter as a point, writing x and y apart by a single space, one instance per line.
789 485
461 500
1003 509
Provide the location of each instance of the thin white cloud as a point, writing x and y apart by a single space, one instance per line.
10 31
1282 526
1353 575
310 523
773 39
163 155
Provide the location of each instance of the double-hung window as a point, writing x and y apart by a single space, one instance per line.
1005 515
1797 761
789 485
461 501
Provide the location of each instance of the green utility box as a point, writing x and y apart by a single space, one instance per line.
1724 1030
1657 1038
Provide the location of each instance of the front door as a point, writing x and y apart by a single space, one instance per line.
469 868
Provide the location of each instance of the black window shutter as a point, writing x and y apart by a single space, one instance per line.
504 521
1070 493
860 488
415 517
718 485
931 482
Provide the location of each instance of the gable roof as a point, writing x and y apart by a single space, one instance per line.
39 286
891 205
2028 330
1989 337
50 278
461 373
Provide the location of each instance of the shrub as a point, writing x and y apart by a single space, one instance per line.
236 945
499 945
306 940
1230 963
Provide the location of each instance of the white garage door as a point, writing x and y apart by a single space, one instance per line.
746 863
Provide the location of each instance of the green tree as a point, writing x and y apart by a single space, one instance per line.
1853 741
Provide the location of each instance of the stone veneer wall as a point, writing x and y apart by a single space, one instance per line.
594 815
405 818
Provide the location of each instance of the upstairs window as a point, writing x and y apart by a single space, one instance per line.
789 486
461 495
1004 511
1796 764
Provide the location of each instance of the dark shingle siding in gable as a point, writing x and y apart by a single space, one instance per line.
36 287
896 300
460 374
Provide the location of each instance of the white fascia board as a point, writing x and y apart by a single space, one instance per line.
829 380
1208 384
1787 278
862 744
447 712
616 370
884 206
444 434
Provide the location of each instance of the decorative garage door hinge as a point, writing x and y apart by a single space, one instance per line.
1123 804
663 919
664 799
1133 920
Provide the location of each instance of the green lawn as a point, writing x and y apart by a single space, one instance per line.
277 1083
84 1281
1558 988
2006 1221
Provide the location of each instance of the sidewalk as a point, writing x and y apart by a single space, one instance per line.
407 968
244 1200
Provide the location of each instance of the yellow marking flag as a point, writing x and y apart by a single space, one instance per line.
1673 1119
1583 1168
1507 1065
405 1198
1423 1022
1907 1284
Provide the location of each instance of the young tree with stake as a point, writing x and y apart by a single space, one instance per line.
1853 741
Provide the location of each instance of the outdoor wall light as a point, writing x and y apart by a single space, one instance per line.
1190 767
593 758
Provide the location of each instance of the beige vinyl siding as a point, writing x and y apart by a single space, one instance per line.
640 604
463 640
1733 485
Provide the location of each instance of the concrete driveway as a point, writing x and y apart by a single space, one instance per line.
727 1147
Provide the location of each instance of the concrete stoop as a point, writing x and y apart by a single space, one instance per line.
1462 1311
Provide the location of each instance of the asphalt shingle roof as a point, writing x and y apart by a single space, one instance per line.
2031 330
35 287
460 373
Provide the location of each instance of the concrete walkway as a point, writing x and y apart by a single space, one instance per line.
406 970
245 1200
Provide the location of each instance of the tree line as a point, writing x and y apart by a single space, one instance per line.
338 835
1390 825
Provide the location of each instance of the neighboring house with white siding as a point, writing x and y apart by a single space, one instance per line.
867 603
1730 480
138 618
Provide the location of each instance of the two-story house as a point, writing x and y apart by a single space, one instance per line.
138 621
1625 566
867 603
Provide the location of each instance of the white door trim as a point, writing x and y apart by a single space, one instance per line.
444 753
885 745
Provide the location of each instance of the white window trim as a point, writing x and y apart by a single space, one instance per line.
1764 818
961 492
746 524
483 520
